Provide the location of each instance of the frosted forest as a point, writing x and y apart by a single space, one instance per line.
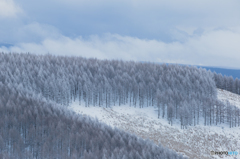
36 89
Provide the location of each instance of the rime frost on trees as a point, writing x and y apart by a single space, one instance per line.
171 88
31 127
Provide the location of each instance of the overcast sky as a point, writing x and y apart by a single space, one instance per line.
199 32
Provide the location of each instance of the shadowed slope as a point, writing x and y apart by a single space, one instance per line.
33 128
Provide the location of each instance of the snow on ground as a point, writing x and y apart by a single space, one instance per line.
194 142
233 98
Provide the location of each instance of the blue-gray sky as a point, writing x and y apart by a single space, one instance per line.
199 32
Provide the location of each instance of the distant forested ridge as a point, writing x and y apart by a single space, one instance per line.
181 93
31 127
235 73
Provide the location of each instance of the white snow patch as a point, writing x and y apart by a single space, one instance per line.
194 142
233 98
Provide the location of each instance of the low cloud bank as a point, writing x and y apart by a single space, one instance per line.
212 48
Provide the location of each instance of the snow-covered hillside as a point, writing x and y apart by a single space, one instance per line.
194 142
233 98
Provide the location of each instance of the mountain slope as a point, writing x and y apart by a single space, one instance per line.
183 95
233 98
31 127
194 142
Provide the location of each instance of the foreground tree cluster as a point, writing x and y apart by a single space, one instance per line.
181 93
31 127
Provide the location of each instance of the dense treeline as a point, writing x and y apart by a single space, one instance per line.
227 83
231 85
31 127
181 93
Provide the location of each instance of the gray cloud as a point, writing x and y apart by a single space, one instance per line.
190 32
209 49
143 19
9 9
